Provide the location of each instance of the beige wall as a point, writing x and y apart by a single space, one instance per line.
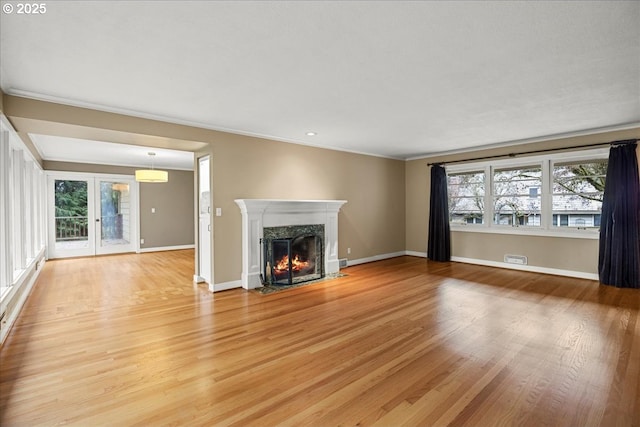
388 200
172 224
571 254
371 223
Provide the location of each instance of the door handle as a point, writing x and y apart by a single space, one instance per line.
97 219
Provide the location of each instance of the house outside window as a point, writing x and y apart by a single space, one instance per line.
466 198
516 199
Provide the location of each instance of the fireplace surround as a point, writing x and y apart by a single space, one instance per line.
292 254
260 213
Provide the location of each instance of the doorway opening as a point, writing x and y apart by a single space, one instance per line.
204 264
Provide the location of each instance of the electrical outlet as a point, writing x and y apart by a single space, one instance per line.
348 251
142 241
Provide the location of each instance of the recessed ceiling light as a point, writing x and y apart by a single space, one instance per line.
311 134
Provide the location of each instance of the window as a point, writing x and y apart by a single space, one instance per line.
516 196
466 198
578 189
541 195
21 212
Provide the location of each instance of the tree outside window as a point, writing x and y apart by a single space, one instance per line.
578 189
517 196
466 198
569 192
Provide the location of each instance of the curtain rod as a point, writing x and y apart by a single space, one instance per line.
548 150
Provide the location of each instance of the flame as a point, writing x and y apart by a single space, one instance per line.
296 264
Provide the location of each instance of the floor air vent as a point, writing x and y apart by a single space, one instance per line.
515 259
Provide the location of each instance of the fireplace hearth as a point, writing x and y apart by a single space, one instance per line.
292 254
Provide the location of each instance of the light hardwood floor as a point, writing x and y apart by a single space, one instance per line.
129 340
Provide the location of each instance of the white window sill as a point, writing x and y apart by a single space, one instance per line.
528 231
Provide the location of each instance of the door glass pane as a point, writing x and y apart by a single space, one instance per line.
115 213
71 220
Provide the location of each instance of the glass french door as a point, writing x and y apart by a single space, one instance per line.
91 215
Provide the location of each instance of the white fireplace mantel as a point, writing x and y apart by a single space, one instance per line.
260 213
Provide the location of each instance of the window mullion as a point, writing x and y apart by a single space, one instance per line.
488 196
6 213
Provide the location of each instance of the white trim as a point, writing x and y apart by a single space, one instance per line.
217 287
375 258
529 268
260 213
415 253
204 262
166 248
528 231
87 175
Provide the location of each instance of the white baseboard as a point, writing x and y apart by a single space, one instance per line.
374 258
199 279
530 268
414 253
217 287
166 248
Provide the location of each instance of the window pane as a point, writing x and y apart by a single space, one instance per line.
71 220
517 181
578 189
517 196
466 198
115 213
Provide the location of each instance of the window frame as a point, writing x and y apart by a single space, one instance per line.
546 163
482 171
22 218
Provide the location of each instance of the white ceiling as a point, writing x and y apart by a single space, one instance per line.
108 153
397 79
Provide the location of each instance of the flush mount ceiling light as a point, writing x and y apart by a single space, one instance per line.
311 134
152 175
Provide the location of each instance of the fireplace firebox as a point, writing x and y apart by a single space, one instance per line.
292 254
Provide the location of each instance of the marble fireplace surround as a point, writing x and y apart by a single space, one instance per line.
260 213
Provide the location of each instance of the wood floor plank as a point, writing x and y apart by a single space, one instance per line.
129 340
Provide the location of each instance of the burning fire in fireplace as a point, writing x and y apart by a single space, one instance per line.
296 264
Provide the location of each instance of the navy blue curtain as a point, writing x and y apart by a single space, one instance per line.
439 246
619 257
